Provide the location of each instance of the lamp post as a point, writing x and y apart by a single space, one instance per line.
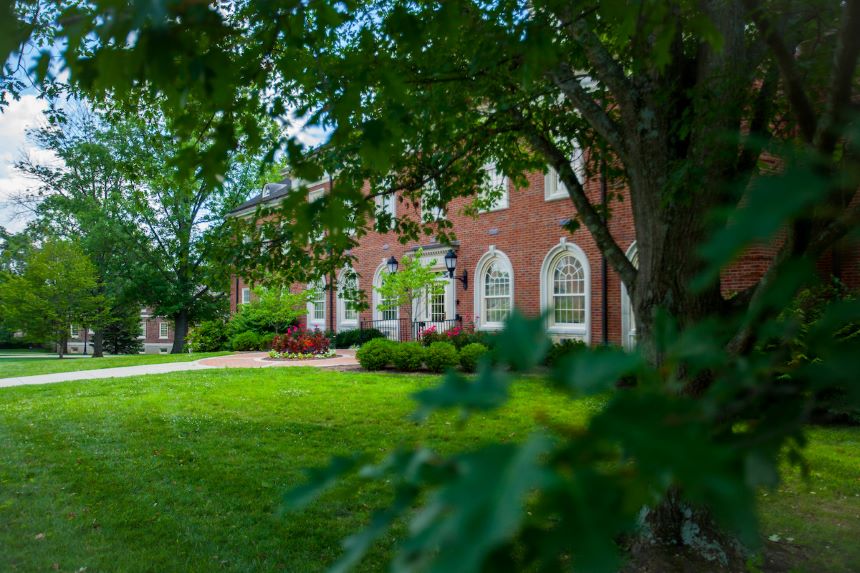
451 265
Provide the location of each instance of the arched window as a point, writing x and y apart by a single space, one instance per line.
316 305
385 317
628 318
566 290
347 288
494 293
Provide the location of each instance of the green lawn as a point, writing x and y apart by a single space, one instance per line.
11 367
183 472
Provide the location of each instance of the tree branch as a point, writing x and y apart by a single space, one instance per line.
806 116
566 80
845 61
586 211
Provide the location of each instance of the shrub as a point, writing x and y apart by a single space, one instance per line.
441 356
470 355
299 340
267 340
408 356
245 341
350 338
376 354
563 348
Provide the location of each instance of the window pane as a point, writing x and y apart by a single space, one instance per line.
568 289
497 294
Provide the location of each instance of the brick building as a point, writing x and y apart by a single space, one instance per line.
156 335
515 255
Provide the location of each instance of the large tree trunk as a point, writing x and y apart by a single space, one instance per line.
180 330
98 343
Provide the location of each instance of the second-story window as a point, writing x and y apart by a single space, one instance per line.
246 295
495 188
553 186
432 208
163 330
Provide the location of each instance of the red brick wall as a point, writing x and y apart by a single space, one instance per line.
526 231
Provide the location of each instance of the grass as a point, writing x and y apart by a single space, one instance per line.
183 472
35 351
12 367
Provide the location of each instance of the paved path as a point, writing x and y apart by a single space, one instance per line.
241 360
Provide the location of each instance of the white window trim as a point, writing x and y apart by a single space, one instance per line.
391 199
492 255
381 272
628 320
580 330
163 331
74 331
435 213
342 322
142 333
553 188
312 321
503 202
246 295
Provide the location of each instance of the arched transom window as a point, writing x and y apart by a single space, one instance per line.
494 293
568 291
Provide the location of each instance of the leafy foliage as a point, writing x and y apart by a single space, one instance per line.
413 280
376 354
408 356
297 340
440 356
208 336
471 354
356 337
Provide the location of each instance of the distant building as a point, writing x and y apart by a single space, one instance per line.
156 335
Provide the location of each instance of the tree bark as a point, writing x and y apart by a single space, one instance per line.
98 344
180 330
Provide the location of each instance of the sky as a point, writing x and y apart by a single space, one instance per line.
14 122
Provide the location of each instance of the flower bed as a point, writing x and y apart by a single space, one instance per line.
301 344
275 355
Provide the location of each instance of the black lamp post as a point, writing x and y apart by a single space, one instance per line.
451 265
392 264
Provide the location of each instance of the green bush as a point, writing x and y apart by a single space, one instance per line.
266 340
350 338
245 341
208 336
441 356
408 356
563 348
376 354
470 355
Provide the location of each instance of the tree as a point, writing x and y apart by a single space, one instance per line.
416 280
689 106
120 189
56 290
122 330
80 195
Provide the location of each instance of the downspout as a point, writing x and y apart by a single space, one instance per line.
604 306
237 293
332 277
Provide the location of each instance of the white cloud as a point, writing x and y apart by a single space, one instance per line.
15 120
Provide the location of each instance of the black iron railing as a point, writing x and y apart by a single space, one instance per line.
404 330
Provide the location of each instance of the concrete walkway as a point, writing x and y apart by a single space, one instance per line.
241 360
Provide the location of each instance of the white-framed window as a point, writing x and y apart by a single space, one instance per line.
246 295
347 312
432 208
316 305
380 313
628 318
142 329
566 290
163 330
494 292
497 184
387 204
553 187
74 330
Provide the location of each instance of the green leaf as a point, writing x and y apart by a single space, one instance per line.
595 371
523 343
